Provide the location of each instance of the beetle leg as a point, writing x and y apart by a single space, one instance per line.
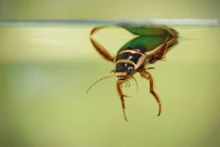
148 68
148 76
119 82
159 54
99 48
95 29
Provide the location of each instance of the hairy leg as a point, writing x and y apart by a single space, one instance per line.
148 76
119 82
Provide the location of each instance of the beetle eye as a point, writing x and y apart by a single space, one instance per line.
130 69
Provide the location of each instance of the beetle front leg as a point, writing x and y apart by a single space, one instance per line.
148 76
119 83
99 48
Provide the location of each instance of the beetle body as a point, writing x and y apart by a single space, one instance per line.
150 45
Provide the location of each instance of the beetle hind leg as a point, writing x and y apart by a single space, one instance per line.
160 53
148 76
99 48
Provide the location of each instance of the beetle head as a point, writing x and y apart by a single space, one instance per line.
123 70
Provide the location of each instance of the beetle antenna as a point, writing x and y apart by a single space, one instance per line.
135 81
93 84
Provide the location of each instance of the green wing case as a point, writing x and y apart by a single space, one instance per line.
149 37
144 43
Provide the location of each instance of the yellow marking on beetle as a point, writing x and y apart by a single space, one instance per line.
130 51
140 60
121 74
154 50
172 41
125 61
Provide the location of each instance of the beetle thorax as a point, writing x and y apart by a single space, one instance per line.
127 62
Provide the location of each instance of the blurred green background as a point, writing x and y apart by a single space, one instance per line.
45 71
108 9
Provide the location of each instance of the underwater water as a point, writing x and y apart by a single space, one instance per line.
45 72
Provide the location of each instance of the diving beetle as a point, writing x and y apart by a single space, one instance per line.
150 45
